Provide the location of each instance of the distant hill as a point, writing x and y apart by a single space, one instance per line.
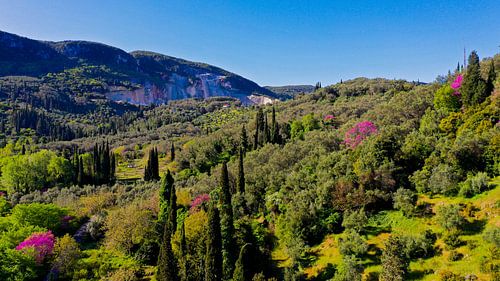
139 77
290 91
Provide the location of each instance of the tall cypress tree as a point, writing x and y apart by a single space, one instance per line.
213 257
241 173
242 270
266 137
275 135
81 174
166 185
244 139
492 76
183 254
172 210
166 268
473 90
172 152
151 171
227 225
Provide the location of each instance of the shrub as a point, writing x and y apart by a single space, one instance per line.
355 220
449 217
474 184
492 235
404 200
42 244
452 240
447 275
455 256
352 244
66 254
47 216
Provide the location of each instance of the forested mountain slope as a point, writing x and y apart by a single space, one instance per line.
368 179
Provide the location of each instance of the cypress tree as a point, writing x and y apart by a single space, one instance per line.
166 268
213 257
242 270
172 152
172 210
183 253
241 173
473 89
275 135
151 171
23 150
244 138
227 225
165 190
266 137
156 166
113 168
492 76
81 176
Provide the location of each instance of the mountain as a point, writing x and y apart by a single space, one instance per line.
139 77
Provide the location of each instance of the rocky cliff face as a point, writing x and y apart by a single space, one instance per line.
156 78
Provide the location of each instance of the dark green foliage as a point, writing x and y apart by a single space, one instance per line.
452 240
241 173
474 184
172 210
166 187
242 270
213 257
244 139
151 171
395 263
166 267
474 88
492 235
172 152
352 244
349 270
355 220
227 224
405 200
449 217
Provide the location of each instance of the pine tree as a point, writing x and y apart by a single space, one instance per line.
172 152
165 190
166 268
242 270
213 257
473 89
227 225
241 173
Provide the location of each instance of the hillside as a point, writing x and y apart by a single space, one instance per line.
139 77
368 179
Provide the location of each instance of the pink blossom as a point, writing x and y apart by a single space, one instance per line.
328 117
41 242
359 132
198 202
457 83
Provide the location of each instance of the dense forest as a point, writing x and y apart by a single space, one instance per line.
366 179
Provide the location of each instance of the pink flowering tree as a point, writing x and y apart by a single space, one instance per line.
329 120
42 244
199 202
358 133
456 84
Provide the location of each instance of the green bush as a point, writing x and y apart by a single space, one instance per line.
404 200
449 217
452 240
474 184
455 256
352 244
492 235
355 220
48 216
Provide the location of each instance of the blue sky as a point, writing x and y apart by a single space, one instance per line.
277 42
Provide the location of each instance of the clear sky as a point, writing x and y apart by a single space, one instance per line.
277 42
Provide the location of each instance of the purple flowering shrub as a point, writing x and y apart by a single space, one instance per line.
199 202
41 242
358 133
